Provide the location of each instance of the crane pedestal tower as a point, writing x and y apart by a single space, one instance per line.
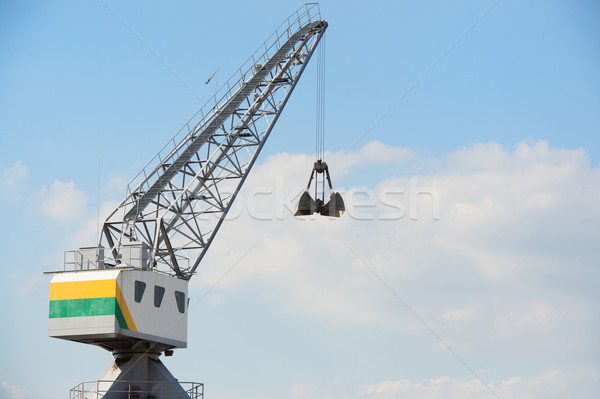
129 293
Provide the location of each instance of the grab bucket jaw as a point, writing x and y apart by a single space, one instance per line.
307 205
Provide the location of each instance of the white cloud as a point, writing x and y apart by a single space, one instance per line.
89 225
499 223
458 314
507 270
62 201
374 152
304 391
14 175
534 317
14 392
65 203
551 384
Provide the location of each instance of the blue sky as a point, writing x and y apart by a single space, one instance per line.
502 131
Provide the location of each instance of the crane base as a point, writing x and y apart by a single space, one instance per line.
139 376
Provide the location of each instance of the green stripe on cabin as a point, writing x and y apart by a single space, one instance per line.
88 307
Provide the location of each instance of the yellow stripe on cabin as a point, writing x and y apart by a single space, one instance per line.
125 310
83 289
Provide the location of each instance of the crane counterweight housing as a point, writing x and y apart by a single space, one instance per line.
117 308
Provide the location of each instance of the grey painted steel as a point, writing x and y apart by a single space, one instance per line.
181 198
232 105
173 210
137 375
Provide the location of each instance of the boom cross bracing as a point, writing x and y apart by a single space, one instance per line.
177 203
129 293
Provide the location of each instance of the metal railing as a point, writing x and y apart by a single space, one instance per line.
136 390
306 14
75 260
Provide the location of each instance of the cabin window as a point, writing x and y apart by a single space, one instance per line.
180 299
140 287
159 292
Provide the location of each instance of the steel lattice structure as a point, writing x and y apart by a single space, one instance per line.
178 202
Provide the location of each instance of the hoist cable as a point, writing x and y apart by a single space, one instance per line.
323 99
320 113
318 106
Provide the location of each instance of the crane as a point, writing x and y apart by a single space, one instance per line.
129 293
